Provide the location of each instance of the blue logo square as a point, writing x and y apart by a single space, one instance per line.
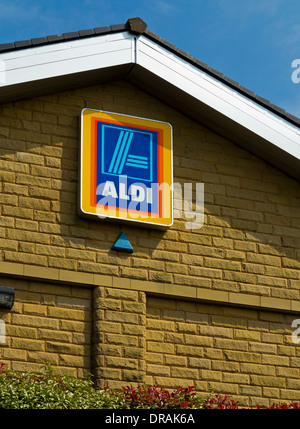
127 151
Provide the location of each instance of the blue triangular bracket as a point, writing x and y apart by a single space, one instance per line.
122 244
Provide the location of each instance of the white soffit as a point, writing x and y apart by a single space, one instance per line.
79 56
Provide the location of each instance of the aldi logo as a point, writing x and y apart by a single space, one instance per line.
126 168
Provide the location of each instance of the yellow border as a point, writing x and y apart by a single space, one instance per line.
85 163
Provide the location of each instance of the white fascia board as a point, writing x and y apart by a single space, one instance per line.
218 96
61 59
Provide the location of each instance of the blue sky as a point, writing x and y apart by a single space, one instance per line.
251 41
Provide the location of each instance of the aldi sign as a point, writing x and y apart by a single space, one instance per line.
126 168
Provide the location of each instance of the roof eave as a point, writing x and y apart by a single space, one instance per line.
162 72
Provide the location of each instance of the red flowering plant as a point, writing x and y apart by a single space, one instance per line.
220 402
281 406
157 397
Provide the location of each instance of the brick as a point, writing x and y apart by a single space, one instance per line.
133 307
117 316
264 259
66 313
28 225
26 179
242 356
230 344
236 378
247 335
20 331
75 361
222 264
216 331
34 321
8 200
12 188
121 294
252 391
73 326
195 238
275 360
49 334
158 370
27 344
34 309
35 137
205 272
165 256
25 258
224 387
230 322
29 158
239 276
116 362
124 340
176 268
133 330
62 348
267 381
205 251
97 268
9 244
160 277
50 250
42 171
14 354
133 376
198 340
48 194
188 373
134 273
286 350
73 303
290 263
11 166
34 203
184 350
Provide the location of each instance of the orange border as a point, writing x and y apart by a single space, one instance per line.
88 163
93 188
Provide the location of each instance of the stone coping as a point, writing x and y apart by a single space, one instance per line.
36 273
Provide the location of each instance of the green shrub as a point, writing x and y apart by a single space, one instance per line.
47 390
44 390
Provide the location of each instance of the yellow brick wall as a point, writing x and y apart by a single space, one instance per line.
247 253
48 324
246 353
119 345
248 244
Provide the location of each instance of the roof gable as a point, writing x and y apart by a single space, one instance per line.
132 52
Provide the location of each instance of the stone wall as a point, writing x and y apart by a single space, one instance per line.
244 260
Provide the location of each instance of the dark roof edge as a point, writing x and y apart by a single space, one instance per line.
65 37
137 26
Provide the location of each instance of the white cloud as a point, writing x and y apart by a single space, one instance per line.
164 7
9 11
245 8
